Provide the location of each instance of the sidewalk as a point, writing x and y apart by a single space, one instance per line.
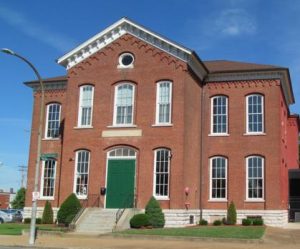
274 238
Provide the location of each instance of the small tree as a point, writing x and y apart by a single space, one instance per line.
47 214
155 214
231 214
68 209
19 201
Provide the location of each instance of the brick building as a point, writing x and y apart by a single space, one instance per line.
138 115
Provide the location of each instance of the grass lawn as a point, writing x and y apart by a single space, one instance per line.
235 232
16 228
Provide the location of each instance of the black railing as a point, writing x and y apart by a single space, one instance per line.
127 204
92 200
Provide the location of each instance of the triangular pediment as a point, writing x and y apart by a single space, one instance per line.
126 26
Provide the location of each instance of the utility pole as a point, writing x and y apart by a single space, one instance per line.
22 169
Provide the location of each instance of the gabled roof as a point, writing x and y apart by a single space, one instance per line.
126 26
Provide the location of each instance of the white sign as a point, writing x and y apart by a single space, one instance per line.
35 196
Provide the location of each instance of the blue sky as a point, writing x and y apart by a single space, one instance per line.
259 31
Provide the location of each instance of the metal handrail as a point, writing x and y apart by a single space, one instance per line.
85 204
121 210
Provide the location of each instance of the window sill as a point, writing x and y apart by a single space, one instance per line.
46 198
162 198
162 125
254 200
217 200
255 134
81 197
122 126
218 135
83 127
50 139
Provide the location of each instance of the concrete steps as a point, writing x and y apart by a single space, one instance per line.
96 221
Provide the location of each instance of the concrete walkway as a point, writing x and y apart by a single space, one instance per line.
274 238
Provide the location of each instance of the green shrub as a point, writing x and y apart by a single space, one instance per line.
139 220
203 222
246 222
68 209
27 220
231 214
258 222
217 223
155 214
37 220
47 217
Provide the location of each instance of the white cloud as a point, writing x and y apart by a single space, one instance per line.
36 31
234 22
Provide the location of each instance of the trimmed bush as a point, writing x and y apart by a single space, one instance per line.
37 220
231 214
246 222
217 223
203 222
139 220
68 209
27 220
47 217
155 214
258 222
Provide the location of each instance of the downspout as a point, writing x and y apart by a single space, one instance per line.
201 146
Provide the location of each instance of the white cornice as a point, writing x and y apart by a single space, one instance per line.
125 26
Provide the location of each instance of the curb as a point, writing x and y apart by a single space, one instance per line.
181 238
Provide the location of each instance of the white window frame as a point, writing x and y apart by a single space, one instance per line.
250 199
212 116
131 124
76 173
211 198
262 113
161 197
80 106
47 120
42 197
158 104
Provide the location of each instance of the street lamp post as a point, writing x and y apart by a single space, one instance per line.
38 155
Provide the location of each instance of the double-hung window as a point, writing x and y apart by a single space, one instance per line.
81 173
53 121
85 106
161 173
219 115
124 104
163 102
218 178
255 178
255 113
48 178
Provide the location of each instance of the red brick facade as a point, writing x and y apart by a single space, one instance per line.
188 138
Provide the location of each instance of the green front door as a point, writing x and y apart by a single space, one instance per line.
120 183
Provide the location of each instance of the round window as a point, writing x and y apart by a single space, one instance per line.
126 60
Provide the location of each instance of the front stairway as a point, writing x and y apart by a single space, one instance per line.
95 221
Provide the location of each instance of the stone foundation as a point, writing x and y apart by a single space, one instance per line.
181 218
27 212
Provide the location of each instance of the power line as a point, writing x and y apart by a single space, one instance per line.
23 170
